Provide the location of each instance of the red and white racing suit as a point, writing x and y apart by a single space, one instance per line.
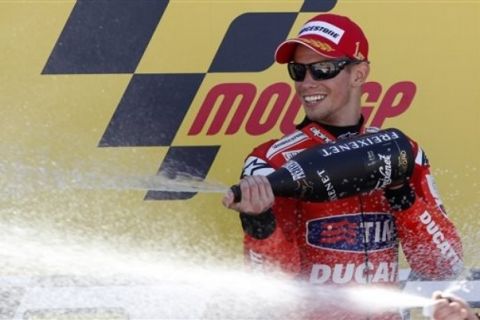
354 240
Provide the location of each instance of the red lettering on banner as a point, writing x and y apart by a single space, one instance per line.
230 92
240 96
282 92
372 91
396 101
288 123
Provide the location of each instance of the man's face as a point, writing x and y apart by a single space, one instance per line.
327 101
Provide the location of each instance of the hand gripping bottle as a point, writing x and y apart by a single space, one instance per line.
344 168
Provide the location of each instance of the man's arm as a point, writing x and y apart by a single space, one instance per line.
269 241
429 239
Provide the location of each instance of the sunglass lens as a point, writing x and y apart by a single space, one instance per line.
324 70
297 71
320 70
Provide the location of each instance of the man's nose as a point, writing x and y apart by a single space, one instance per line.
309 81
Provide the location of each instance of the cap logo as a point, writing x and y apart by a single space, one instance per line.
325 47
323 29
358 55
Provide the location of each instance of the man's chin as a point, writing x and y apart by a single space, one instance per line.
316 116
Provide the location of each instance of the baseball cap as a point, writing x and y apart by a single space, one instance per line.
330 35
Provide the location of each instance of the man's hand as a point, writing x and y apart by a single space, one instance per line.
450 307
257 196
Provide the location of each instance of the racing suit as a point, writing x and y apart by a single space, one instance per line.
354 240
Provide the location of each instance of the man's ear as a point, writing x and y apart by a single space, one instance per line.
360 73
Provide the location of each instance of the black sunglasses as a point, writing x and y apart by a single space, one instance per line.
321 70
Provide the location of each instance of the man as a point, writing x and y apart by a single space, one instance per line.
349 241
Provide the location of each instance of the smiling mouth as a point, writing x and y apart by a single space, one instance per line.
314 98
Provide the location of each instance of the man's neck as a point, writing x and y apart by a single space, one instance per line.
336 130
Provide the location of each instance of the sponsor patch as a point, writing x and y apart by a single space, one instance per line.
325 47
290 154
319 134
438 238
323 29
354 273
352 232
286 142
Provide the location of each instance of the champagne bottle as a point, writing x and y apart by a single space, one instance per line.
346 167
